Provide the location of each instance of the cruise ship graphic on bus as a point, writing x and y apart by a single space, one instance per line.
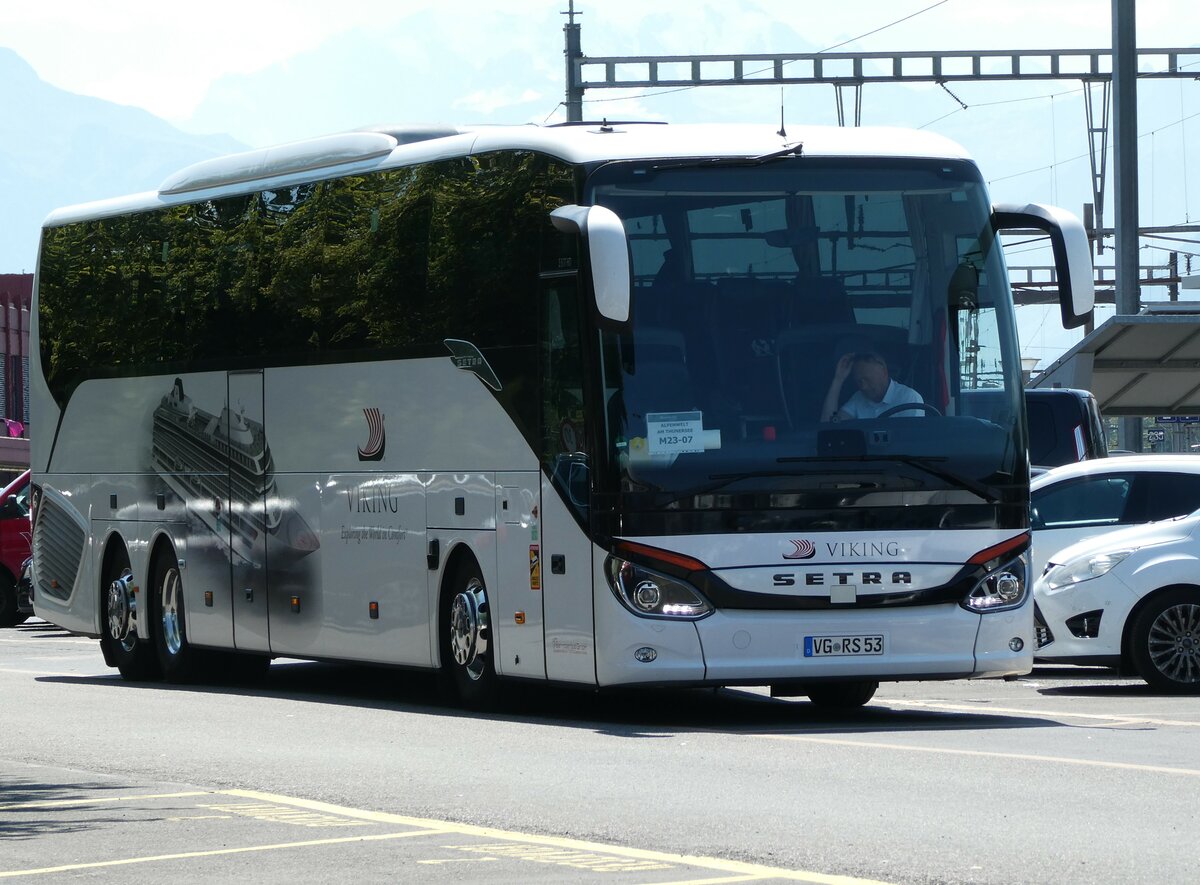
194 451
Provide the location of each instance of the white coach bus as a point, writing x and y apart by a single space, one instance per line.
545 403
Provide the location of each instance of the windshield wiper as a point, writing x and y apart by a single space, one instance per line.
792 150
983 490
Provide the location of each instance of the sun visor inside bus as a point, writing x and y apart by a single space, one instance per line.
285 159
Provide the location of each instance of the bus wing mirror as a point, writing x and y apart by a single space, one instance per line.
608 254
1072 254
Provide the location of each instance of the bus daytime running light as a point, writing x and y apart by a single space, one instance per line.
652 594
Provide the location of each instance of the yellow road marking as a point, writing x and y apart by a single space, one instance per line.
981 708
990 754
717 882
215 853
443 860
711 863
589 854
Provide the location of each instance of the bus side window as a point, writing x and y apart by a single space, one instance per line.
564 431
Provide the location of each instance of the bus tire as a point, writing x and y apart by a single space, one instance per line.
180 663
9 616
132 655
842 695
467 653
1165 641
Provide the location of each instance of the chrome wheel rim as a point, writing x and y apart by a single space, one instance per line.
1174 643
171 624
469 625
121 606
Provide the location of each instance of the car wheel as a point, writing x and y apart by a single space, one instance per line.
1165 641
178 660
467 655
122 647
842 695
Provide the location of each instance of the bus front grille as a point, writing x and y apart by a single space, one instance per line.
59 539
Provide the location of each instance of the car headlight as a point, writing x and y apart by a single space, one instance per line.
652 594
1082 568
1000 589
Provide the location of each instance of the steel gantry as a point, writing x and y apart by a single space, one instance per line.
847 71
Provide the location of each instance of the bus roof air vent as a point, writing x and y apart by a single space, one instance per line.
411 134
284 159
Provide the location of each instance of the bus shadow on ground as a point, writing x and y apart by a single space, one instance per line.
627 712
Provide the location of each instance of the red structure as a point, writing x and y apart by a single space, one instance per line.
16 296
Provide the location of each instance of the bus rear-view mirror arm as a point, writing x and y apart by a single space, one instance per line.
1072 254
607 249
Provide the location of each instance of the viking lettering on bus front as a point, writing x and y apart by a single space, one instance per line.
818 579
849 549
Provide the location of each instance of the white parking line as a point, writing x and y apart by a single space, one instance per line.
987 754
1117 718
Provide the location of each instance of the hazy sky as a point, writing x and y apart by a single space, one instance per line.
267 71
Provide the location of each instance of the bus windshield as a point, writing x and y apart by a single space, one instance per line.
827 333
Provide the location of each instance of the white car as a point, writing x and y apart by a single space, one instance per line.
1082 500
1128 599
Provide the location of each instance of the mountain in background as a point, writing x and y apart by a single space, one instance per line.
58 148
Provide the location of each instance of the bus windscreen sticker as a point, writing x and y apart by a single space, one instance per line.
674 433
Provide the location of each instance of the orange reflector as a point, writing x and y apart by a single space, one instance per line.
296 604
998 550
519 617
373 610
676 559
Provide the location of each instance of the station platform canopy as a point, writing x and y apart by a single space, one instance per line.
1137 364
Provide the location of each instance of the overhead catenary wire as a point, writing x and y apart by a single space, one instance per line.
659 92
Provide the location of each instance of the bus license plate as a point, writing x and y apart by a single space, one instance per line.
827 646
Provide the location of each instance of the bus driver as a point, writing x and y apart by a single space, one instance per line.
876 393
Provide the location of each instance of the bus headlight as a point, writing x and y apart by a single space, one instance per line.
652 594
999 590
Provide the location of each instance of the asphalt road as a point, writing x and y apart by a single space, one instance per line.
337 773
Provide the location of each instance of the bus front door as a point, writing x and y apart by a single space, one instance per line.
251 481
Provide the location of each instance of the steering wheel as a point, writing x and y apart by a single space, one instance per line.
925 407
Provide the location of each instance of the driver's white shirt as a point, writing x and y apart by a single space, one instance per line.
858 406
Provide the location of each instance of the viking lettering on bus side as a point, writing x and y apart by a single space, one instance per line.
372 499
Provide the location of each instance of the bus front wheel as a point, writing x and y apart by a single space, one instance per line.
842 695
467 653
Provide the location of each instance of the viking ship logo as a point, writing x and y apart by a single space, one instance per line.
373 450
804 550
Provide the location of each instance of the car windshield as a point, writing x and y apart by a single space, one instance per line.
766 292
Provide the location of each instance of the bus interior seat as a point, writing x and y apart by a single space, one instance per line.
659 382
747 316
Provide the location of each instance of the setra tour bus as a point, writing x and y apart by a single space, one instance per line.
545 403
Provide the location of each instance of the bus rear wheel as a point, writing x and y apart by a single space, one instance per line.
178 660
467 654
842 695
120 643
